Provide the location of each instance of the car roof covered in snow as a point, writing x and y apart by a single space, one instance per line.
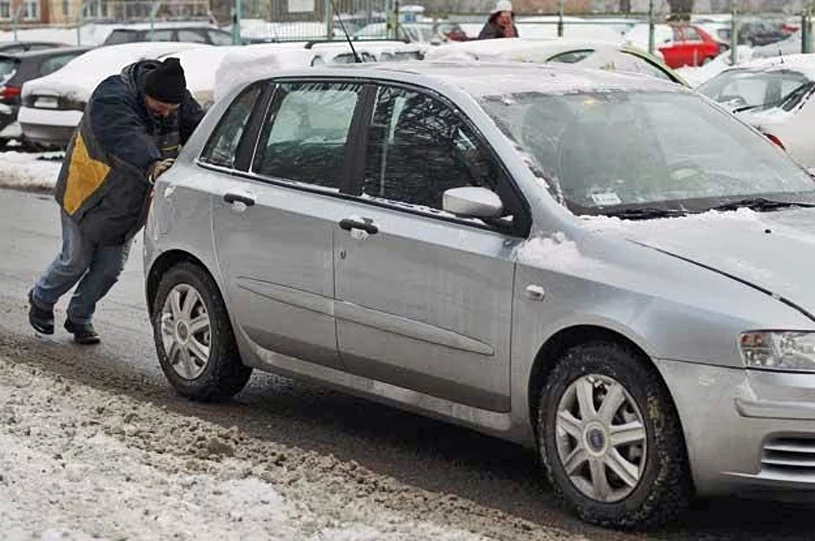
56 51
487 79
802 63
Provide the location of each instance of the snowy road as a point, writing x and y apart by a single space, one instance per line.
94 443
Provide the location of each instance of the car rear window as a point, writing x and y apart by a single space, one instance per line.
8 67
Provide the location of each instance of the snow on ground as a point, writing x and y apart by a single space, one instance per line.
29 171
78 462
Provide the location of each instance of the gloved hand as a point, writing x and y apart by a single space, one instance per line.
159 168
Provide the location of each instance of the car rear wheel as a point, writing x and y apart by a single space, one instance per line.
193 336
611 440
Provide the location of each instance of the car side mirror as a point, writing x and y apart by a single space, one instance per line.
473 202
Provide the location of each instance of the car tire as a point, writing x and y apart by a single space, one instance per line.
658 487
194 340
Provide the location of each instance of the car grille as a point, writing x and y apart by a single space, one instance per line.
789 455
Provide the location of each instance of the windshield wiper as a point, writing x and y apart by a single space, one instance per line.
644 213
760 204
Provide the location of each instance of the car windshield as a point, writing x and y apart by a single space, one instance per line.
744 90
613 150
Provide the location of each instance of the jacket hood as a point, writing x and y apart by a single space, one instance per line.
773 252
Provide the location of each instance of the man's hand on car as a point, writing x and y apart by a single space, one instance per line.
158 168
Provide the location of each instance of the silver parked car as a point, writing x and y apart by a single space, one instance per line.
606 267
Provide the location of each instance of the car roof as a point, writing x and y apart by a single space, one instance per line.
486 79
56 51
803 63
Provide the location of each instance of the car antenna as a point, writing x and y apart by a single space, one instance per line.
357 59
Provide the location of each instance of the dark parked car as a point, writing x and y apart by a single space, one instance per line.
24 46
16 69
192 34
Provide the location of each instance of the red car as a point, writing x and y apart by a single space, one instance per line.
689 46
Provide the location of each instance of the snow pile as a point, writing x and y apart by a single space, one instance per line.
256 62
78 462
555 252
604 224
29 171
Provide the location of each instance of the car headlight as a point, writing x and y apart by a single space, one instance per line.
779 350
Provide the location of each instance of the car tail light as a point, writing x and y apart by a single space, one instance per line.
10 92
775 140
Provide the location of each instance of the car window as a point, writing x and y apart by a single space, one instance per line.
191 36
50 65
220 38
419 147
8 67
221 149
572 57
305 135
160 35
691 34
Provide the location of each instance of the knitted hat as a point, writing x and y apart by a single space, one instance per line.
502 5
166 83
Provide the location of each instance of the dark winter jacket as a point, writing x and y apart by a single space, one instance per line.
103 184
492 30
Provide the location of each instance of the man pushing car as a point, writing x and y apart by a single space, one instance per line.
130 133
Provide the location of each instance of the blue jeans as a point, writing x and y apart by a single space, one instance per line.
95 267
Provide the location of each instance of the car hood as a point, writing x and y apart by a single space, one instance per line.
771 251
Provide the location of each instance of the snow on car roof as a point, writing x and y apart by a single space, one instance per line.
496 48
491 79
802 63
80 76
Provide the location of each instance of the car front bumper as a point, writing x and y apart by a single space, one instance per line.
745 430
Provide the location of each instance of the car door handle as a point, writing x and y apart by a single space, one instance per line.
349 224
246 199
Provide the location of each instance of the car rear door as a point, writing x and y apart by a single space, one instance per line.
274 225
424 300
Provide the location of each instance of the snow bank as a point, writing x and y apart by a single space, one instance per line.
78 462
30 171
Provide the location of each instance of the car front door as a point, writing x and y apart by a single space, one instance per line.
424 300
274 227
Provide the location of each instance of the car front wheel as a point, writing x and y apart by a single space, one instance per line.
611 440
193 336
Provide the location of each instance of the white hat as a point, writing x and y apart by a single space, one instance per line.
502 5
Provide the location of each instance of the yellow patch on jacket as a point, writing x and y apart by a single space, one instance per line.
85 176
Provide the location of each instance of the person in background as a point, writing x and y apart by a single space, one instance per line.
130 134
501 23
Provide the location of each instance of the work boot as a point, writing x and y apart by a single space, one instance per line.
83 334
41 319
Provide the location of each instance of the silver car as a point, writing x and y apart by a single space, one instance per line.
604 267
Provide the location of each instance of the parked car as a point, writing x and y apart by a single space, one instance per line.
547 254
774 95
413 32
12 47
15 70
680 44
587 54
791 45
207 35
53 105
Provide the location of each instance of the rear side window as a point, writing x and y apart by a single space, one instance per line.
222 147
219 37
191 36
305 136
571 57
117 37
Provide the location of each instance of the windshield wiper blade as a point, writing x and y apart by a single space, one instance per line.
644 213
760 204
